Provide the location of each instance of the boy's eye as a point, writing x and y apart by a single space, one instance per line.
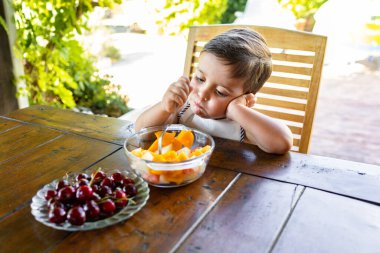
221 94
199 79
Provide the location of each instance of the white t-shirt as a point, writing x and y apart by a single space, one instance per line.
223 128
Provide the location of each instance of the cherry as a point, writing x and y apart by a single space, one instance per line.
82 176
61 184
92 210
57 215
99 175
107 182
105 190
121 198
49 194
66 194
81 182
117 177
107 207
84 193
76 215
130 190
128 181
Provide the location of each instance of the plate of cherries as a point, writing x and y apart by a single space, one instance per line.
80 201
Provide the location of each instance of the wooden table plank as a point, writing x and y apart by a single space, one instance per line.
169 213
6 124
102 128
348 178
251 215
323 222
32 170
20 232
23 138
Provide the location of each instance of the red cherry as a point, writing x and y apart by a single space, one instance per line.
128 181
117 177
92 210
82 176
108 207
49 194
130 190
84 193
57 215
76 216
121 198
61 184
99 175
104 191
66 194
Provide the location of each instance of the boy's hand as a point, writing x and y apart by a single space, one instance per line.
176 95
247 100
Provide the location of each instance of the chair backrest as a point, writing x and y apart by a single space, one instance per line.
291 92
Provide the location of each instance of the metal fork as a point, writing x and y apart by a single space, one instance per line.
160 140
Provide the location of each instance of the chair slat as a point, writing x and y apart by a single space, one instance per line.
293 58
289 81
282 115
292 69
283 92
295 129
281 103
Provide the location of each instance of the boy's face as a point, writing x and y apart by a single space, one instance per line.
213 88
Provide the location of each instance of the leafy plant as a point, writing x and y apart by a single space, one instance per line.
232 7
304 10
177 15
58 71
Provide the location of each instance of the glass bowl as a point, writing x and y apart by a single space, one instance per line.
168 174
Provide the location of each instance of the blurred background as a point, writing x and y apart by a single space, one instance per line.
112 57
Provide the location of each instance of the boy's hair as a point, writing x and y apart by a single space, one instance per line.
247 53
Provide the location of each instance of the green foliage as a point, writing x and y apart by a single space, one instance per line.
302 8
178 15
58 71
232 7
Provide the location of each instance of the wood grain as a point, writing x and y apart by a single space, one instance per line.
40 166
324 222
251 215
168 214
357 180
23 138
6 124
20 232
102 128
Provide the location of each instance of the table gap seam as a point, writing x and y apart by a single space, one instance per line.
34 148
279 233
68 131
203 216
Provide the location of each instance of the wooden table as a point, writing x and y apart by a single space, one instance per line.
247 201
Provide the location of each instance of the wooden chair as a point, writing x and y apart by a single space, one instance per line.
291 92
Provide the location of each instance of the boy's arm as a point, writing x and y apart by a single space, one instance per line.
154 116
269 134
165 111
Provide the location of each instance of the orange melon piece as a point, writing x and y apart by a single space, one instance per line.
186 138
206 148
166 140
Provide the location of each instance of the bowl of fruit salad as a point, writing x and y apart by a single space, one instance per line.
184 154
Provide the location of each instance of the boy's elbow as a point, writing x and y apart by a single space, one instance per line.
280 146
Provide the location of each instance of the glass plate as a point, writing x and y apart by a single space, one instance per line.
40 210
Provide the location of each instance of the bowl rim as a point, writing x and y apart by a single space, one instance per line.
176 127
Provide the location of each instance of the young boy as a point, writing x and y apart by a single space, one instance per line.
218 100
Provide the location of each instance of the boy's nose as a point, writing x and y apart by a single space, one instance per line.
204 94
